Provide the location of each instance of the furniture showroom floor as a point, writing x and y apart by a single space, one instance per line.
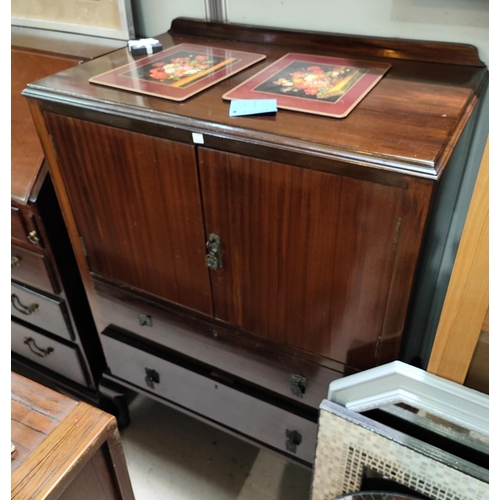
174 456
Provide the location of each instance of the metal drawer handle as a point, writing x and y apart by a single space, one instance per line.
33 238
298 385
15 261
145 319
32 308
152 377
43 353
293 439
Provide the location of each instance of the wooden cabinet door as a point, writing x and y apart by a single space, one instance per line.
307 256
136 201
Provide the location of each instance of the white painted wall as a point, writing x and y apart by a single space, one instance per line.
153 17
461 21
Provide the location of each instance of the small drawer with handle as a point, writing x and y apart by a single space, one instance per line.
231 406
32 269
43 311
22 230
47 352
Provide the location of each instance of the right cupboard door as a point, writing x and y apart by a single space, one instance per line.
307 256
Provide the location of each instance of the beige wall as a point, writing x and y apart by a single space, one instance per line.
462 21
97 13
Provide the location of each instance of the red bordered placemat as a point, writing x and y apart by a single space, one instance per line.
178 72
320 85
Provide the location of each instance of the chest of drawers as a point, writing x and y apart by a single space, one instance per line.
54 338
315 224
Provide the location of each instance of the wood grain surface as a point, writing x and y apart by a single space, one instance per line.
35 412
139 212
321 220
26 151
467 299
307 256
34 268
410 121
70 434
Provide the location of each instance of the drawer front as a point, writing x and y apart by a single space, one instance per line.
252 361
23 227
43 311
32 268
17 226
257 419
47 352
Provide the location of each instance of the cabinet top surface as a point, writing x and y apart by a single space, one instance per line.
26 151
51 433
36 54
409 122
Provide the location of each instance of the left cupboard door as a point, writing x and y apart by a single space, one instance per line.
136 202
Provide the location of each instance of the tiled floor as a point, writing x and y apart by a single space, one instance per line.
173 456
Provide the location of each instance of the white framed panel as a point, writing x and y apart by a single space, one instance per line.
100 18
398 382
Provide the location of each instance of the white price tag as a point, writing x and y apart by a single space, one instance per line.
198 138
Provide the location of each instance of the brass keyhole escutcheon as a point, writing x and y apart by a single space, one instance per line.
213 258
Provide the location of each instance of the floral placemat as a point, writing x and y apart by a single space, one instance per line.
178 72
313 84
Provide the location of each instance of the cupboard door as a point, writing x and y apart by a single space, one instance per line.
307 256
136 202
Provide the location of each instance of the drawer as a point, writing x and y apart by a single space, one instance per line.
17 227
43 311
244 413
254 362
47 352
32 269
24 228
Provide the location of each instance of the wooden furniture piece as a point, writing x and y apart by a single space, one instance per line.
64 449
54 338
466 306
236 266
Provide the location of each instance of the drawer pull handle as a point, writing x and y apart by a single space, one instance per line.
15 262
33 238
145 320
32 308
293 439
298 385
43 353
151 377
213 259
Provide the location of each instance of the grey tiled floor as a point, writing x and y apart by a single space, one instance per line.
173 456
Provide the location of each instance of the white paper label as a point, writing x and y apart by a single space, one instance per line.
198 138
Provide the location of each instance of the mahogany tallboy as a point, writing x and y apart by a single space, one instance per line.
54 338
312 225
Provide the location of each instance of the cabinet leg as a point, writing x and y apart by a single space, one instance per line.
115 400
